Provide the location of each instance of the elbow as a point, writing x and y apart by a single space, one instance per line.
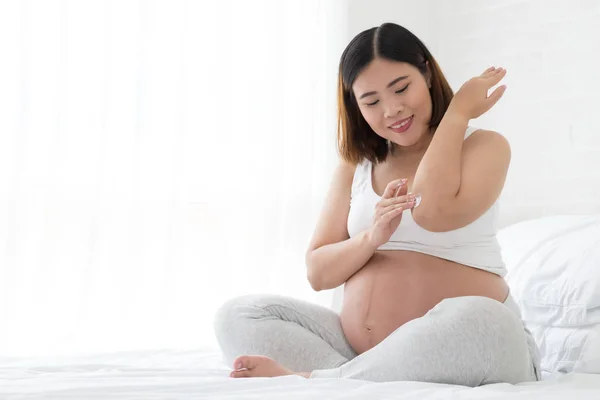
313 279
311 274
430 218
314 284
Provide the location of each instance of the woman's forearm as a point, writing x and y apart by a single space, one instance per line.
331 265
437 179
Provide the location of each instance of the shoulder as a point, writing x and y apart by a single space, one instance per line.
345 168
344 173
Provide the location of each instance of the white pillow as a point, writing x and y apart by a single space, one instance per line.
570 349
554 274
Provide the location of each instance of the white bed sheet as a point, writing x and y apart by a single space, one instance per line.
200 374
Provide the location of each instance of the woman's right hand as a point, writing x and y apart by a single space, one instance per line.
388 211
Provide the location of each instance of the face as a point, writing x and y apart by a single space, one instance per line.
394 99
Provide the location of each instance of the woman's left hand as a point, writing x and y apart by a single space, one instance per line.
472 100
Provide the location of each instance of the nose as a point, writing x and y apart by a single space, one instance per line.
392 110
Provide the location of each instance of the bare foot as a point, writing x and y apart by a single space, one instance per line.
260 366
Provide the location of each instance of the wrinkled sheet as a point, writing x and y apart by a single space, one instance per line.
201 374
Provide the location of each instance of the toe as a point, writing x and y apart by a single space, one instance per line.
247 362
240 374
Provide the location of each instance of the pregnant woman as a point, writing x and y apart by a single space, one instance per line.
409 228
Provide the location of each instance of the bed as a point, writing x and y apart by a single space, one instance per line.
200 374
554 275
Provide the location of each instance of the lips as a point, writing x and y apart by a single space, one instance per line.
402 125
395 124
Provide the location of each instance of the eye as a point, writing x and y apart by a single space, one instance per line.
373 103
402 90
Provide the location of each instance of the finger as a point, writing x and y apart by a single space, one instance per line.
487 71
391 187
402 190
393 213
405 205
401 198
384 203
381 212
496 77
496 95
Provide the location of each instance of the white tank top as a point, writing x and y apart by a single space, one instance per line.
474 245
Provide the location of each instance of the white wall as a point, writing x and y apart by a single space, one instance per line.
549 112
158 158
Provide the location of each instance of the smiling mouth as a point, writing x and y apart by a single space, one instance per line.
402 125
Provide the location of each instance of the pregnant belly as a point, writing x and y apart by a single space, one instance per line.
395 287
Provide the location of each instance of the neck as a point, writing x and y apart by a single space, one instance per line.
417 149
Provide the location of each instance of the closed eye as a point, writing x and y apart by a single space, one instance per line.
399 91
402 90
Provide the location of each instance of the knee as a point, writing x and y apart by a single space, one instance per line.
484 310
487 308
506 341
229 311
489 329
235 312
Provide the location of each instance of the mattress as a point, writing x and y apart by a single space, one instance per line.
200 374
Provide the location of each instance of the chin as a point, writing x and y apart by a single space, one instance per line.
408 141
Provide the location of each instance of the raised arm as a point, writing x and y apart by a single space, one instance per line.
459 179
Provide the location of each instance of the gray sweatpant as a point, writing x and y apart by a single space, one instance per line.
470 340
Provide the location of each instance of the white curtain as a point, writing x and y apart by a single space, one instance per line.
156 159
